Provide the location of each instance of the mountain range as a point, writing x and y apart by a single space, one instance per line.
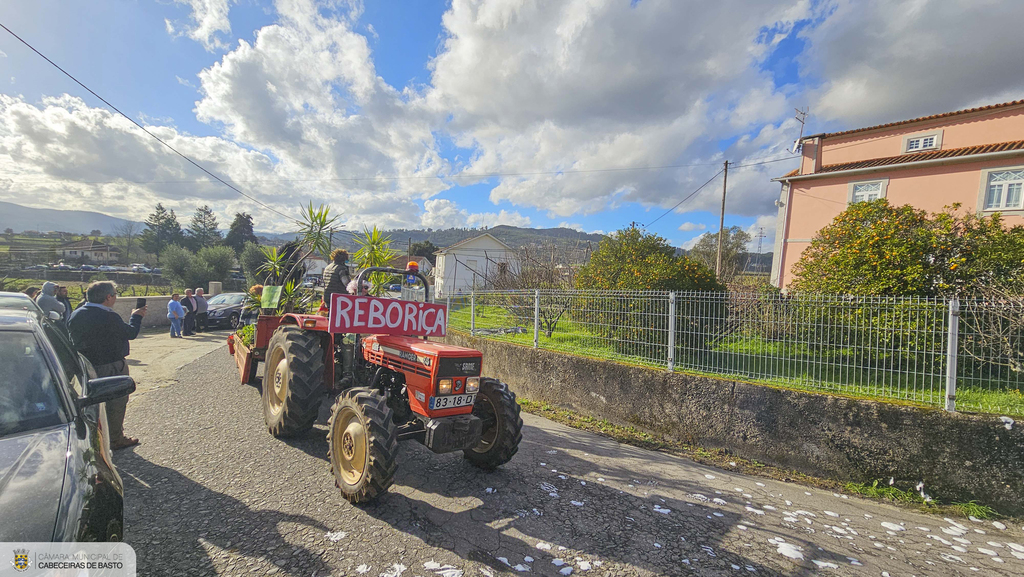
21 218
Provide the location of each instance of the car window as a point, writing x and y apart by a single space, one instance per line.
28 391
226 299
21 302
68 358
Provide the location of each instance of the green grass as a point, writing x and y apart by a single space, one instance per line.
884 492
973 509
775 363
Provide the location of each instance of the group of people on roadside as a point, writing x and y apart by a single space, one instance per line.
188 314
52 298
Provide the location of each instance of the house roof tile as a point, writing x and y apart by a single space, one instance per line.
88 244
924 118
921 156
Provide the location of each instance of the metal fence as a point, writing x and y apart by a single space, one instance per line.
934 352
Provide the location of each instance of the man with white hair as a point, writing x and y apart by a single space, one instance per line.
188 302
202 311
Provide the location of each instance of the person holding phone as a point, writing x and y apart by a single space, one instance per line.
176 314
102 337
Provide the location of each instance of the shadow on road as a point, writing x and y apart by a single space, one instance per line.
182 524
443 500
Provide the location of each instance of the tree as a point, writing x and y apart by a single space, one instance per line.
425 249
96 232
240 232
634 260
875 249
162 230
125 233
202 231
197 270
250 260
734 251
375 250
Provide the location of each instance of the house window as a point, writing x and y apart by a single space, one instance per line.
919 142
1004 189
866 191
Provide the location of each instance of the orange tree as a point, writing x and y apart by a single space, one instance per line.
637 323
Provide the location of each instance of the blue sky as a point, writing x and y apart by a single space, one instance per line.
386 109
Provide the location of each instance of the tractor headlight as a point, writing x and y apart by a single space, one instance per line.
444 387
472 384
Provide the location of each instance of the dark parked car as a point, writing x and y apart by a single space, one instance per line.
226 309
57 478
88 267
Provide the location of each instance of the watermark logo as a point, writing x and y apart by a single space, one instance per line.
21 562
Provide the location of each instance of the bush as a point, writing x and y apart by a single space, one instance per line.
196 270
637 323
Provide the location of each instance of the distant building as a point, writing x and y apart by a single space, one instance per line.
315 265
90 250
472 263
403 260
973 157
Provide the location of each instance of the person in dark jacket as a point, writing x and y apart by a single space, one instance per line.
336 277
189 303
62 296
102 337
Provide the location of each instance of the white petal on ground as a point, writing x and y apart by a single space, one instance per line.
949 557
831 514
528 559
717 514
1016 547
552 452
548 487
741 527
988 552
431 565
825 564
487 572
994 544
584 565
557 562
544 546
755 511
975 519
709 476
362 569
336 536
718 501
449 571
959 540
998 525
504 560
521 568
925 529
657 545
892 526
959 549
566 571
490 490
662 510
1007 422
577 503
790 551
955 531
396 570
790 519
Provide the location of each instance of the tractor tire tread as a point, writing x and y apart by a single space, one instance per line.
306 388
508 439
382 443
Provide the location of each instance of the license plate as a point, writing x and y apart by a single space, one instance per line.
451 401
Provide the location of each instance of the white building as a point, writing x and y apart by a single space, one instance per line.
472 263
315 265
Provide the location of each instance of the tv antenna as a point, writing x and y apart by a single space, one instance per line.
801 117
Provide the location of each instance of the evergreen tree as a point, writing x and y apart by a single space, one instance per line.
202 231
426 249
162 230
240 232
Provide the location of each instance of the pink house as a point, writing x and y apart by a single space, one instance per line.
974 157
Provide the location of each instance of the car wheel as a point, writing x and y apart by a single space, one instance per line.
233 321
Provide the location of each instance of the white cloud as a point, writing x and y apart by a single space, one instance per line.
765 225
444 213
209 20
572 225
3 54
184 82
692 226
693 241
886 60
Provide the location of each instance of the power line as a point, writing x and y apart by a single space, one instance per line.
766 161
142 128
688 197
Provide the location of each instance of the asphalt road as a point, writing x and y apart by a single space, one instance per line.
210 492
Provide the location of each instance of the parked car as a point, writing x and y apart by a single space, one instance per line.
395 288
88 267
155 271
237 276
60 483
106 268
226 310
63 266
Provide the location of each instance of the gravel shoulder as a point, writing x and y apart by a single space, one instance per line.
210 492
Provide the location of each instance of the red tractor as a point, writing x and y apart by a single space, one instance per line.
388 388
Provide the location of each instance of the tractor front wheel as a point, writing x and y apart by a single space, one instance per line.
363 444
496 406
293 381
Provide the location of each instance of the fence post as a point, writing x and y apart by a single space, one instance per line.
671 331
951 352
536 319
472 313
448 313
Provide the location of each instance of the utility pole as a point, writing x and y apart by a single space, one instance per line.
410 248
721 221
332 242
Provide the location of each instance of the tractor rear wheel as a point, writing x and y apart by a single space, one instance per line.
293 381
503 427
363 444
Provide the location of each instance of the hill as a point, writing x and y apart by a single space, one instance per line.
21 218
513 236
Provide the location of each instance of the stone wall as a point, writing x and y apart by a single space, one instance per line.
156 310
959 457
